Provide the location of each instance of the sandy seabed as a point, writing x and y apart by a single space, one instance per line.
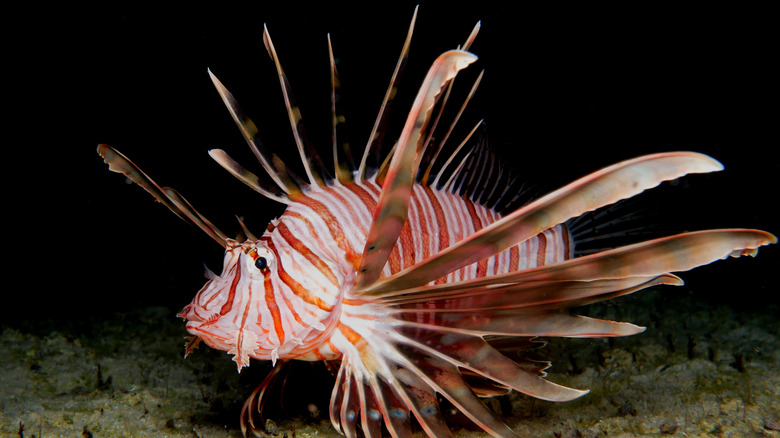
699 370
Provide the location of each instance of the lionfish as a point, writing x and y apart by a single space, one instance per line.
414 282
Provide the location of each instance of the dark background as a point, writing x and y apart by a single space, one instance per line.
567 90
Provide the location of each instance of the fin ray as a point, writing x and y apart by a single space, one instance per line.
307 153
655 257
249 131
118 163
377 132
475 354
244 175
541 295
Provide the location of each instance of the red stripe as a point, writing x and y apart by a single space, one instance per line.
444 237
246 307
514 258
302 292
333 226
424 236
566 242
363 195
290 306
296 287
476 222
304 250
540 254
372 188
270 302
232 292
352 336
406 240
333 347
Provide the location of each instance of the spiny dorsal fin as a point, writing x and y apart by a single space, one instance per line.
247 177
309 156
249 235
343 168
429 157
391 210
439 147
452 156
249 131
377 132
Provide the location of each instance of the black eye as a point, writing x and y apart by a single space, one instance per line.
261 263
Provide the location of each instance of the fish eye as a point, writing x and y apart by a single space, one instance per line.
261 263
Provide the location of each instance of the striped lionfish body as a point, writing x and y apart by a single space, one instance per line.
309 254
414 281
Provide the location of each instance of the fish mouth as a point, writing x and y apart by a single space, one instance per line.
196 329
193 317
190 314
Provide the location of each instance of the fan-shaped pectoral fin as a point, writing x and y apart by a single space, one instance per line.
252 411
650 259
444 378
598 189
475 354
523 296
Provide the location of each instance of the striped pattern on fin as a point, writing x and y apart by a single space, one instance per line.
377 132
343 168
170 198
245 176
393 204
308 154
253 406
251 135
422 401
395 412
404 380
429 153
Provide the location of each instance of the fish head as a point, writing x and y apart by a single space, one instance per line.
231 311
